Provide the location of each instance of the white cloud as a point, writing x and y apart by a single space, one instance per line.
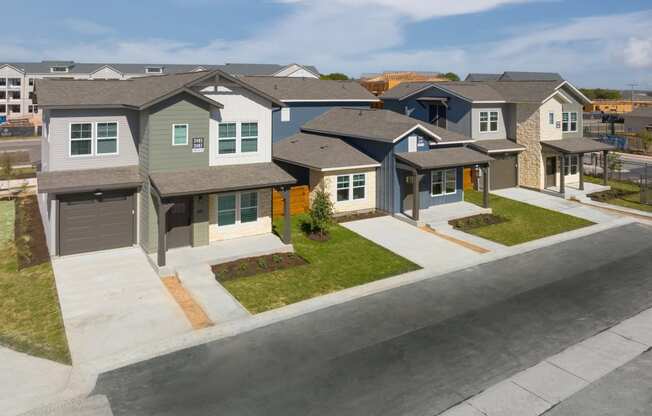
638 53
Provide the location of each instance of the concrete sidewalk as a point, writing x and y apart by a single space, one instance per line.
536 390
27 381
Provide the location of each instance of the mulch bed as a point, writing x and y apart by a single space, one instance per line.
604 196
476 221
255 265
31 246
359 216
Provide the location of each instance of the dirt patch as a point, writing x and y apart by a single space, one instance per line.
194 313
31 246
359 216
318 236
604 196
255 265
476 221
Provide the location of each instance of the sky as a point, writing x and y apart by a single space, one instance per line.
591 43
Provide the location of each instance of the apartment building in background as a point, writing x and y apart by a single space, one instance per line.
17 79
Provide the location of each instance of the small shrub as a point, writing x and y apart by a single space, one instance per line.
6 168
277 259
262 263
243 266
320 217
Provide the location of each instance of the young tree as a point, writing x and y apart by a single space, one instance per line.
336 76
6 167
321 214
452 76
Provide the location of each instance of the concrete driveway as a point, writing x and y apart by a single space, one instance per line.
113 301
423 248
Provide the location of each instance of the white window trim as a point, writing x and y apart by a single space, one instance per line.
247 137
568 162
286 114
159 70
353 198
569 122
350 187
488 121
237 144
444 180
551 120
238 204
65 69
70 139
187 134
117 138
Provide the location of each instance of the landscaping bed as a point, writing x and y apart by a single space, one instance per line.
475 221
31 246
622 193
522 222
359 216
255 265
31 320
345 260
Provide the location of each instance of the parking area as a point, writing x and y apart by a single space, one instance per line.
113 301
421 247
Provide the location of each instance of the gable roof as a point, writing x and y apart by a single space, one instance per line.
137 93
405 90
530 76
378 125
308 68
320 152
310 89
482 77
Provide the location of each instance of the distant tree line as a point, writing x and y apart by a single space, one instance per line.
336 76
601 94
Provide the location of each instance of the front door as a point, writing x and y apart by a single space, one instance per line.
178 222
407 188
551 172
438 115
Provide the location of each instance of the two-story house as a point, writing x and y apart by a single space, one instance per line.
161 162
532 128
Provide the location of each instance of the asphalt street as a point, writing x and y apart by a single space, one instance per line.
414 350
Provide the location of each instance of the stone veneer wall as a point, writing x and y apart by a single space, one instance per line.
530 162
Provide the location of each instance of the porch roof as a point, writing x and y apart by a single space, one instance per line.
86 180
220 179
497 146
444 158
579 145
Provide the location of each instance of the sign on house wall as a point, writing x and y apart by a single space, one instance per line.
197 144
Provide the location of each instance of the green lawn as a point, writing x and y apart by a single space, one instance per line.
31 319
346 260
524 222
629 201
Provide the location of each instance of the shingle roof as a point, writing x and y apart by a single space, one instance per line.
237 69
578 145
88 179
444 158
640 112
320 152
530 76
482 77
134 92
405 89
220 179
374 124
496 146
310 89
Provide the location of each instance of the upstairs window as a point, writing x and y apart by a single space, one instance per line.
551 118
107 138
3 95
153 70
59 69
14 82
249 137
179 134
81 139
30 82
488 121
569 121
3 82
14 95
226 138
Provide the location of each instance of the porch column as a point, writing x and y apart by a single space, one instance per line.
287 220
605 167
581 168
162 210
415 196
562 175
485 186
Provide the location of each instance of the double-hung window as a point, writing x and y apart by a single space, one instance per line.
343 188
226 210
226 138
81 139
443 182
488 121
249 207
249 137
107 138
572 164
179 134
359 181
569 121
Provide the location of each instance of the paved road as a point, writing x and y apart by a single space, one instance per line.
415 350
32 146
625 392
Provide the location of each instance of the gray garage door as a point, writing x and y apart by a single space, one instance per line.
503 171
91 222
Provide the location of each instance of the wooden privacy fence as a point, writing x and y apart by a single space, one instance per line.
299 201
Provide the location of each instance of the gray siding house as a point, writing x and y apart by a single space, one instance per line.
161 162
517 118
